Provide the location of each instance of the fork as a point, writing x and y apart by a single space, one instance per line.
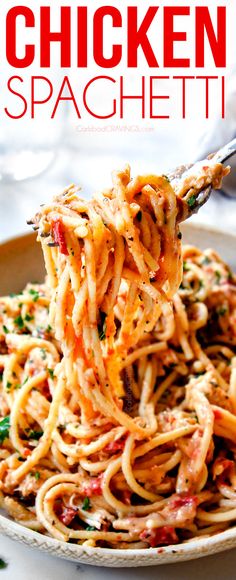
179 173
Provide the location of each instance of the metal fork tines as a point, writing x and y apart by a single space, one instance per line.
194 183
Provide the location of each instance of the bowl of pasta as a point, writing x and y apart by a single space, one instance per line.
118 381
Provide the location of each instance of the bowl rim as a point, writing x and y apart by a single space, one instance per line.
110 557
192 549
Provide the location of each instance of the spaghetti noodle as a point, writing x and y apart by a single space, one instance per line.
118 384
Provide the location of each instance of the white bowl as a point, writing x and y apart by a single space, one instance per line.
20 262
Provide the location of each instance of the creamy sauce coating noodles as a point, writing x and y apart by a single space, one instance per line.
118 376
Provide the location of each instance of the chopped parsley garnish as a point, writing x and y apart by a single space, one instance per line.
35 434
191 201
51 372
86 505
1 375
49 328
28 317
43 353
19 321
185 266
166 177
221 311
3 564
35 294
8 385
35 474
19 385
102 325
205 261
4 428
91 529
5 329
218 276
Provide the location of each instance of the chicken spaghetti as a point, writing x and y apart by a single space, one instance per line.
118 375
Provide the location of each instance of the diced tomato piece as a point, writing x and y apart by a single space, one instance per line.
65 514
159 536
110 351
217 414
184 500
59 237
115 446
94 487
26 452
